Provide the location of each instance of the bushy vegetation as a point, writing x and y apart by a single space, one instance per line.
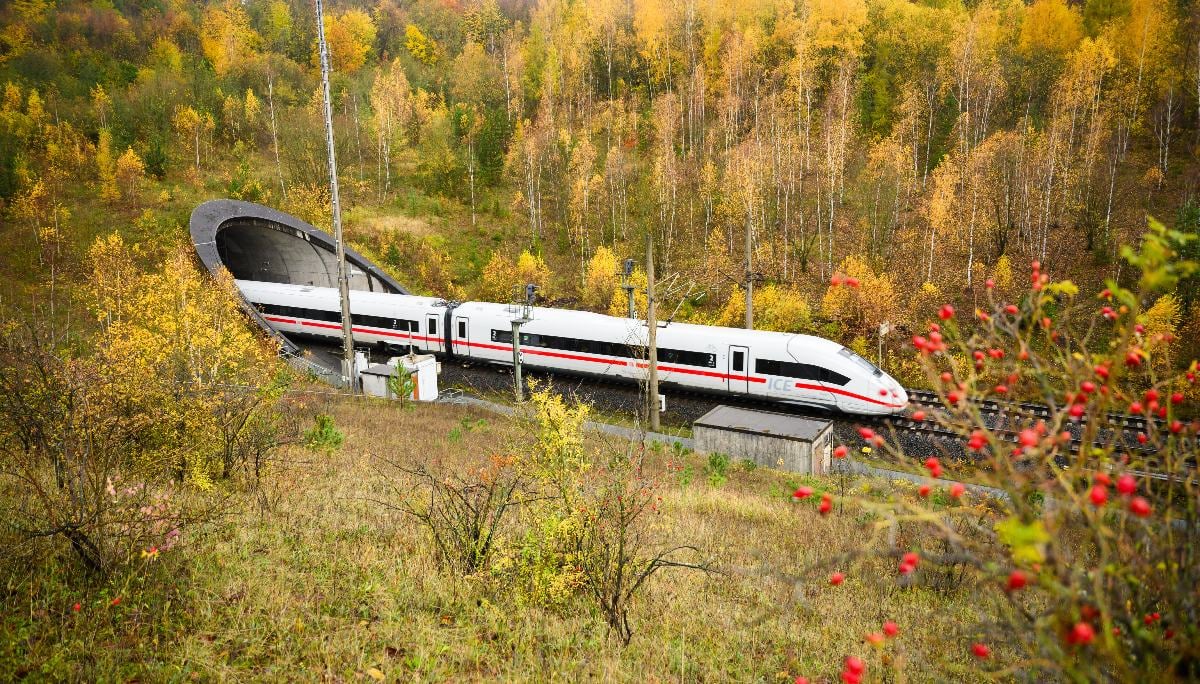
1082 551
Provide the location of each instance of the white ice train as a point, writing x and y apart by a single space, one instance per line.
777 366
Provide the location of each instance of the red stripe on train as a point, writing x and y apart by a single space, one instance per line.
533 351
852 395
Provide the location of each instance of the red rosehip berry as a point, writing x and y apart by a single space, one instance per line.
802 493
855 664
1177 398
1139 506
866 433
957 489
1087 386
1017 580
837 578
1082 633
981 651
77 607
875 638
1126 484
800 680
890 628
1103 478
918 416
1012 309
923 491
1028 438
840 451
946 312
1098 495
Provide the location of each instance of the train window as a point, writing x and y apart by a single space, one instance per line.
866 365
433 326
676 356
799 371
739 361
462 328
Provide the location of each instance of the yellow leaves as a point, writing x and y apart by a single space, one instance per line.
602 281
226 37
130 171
1050 28
504 281
423 49
866 306
172 337
105 174
837 25
496 281
780 308
1026 541
349 37
375 673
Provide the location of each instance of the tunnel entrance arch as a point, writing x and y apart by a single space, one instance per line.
255 242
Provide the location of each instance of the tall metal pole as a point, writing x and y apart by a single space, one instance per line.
518 383
652 335
343 277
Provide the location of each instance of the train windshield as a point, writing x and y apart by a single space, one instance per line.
867 365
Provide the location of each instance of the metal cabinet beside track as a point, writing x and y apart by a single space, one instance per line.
773 440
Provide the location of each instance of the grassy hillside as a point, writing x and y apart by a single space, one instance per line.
311 578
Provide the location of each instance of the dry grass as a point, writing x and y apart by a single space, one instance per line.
376 224
326 584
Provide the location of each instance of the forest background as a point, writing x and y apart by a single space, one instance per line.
920 147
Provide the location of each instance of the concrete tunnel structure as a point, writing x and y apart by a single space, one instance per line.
254 242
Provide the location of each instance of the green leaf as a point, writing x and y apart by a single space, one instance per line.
1064 287
1027 541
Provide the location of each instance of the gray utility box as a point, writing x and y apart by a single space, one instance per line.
773 440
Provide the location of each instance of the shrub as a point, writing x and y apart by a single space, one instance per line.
464 514
1084 564
324 435
717 469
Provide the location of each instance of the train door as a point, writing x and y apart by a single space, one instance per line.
462 341
433 340
739 369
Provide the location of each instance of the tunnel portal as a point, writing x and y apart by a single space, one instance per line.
255 242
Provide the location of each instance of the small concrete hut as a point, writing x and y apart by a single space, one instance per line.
773 440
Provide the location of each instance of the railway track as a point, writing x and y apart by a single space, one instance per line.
1005 419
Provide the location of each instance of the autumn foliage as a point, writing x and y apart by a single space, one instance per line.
1081 542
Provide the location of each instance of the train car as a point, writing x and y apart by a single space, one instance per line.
784 367
394 323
